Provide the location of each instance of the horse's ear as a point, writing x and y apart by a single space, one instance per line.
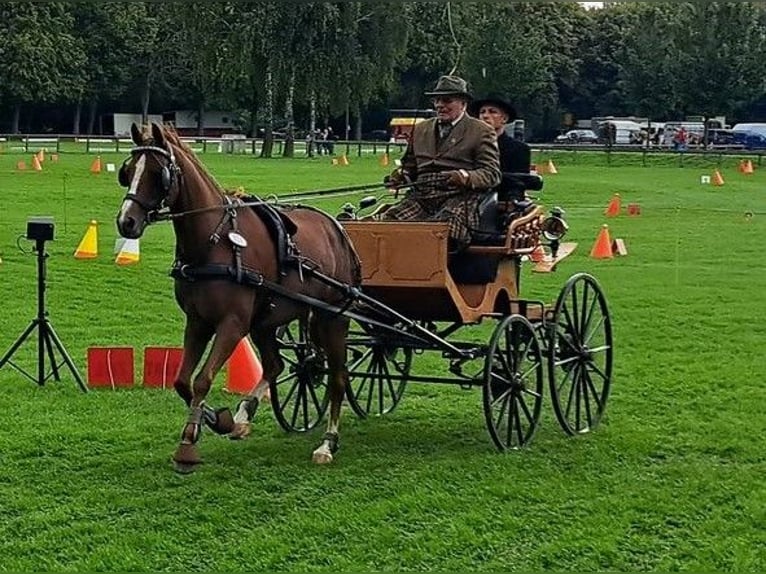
135 133
158 135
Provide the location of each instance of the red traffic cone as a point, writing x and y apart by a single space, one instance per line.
244 371
602 249
614 207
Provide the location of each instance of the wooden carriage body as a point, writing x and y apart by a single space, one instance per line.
405 265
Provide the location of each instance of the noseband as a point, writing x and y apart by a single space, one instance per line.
170 173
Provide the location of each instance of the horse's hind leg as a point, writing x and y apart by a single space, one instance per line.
266 342
227 336
331 337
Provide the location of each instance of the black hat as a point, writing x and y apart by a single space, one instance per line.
498 101
451 86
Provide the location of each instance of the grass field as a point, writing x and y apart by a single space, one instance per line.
672 480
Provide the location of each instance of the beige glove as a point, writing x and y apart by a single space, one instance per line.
398 177
457 178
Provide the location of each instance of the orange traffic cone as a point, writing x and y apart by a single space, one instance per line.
36 164
551 168
244 371
41 156
741 166
538 254
614 207
717 178
88 247
95 167
747 168
384 160
602 249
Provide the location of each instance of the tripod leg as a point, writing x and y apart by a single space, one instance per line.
18 343
67 359
45 330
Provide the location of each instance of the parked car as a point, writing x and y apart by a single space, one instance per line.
751 136
578 136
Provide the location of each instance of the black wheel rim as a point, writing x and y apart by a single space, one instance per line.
513 383
378 372
299 396
580 355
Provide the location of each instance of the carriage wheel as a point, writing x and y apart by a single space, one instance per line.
299 396
580 355
384 370
513 383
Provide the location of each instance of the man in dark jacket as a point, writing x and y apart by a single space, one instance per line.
515 155
453 160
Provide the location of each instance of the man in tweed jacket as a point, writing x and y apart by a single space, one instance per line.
453 160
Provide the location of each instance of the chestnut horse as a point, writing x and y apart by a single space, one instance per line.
230 280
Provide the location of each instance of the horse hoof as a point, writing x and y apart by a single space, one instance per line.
224 422
186 458
321 457
240 431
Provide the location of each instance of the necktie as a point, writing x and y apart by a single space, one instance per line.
444 130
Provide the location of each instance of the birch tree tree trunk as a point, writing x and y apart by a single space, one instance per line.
289 150
268 137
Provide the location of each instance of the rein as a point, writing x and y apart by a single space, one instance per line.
166 215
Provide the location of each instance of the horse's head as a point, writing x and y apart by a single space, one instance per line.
151 176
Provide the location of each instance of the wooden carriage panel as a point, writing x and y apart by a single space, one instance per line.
404 254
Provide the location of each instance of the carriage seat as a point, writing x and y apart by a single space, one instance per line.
495 216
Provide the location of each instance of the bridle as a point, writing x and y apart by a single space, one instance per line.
170 176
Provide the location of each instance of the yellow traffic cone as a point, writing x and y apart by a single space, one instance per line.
36 163
129 253
384 160
88 247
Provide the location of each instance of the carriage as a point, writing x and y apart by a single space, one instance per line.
346 304
417 297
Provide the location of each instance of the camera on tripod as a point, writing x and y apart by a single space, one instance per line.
40 228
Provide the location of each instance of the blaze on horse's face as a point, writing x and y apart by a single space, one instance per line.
149 177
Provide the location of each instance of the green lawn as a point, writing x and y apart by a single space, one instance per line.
672 480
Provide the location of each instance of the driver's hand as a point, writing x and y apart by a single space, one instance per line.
456 178
396 178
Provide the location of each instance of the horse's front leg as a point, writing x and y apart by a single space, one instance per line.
187 456
196 337
266 342
331 336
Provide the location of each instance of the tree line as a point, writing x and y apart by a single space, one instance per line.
282 65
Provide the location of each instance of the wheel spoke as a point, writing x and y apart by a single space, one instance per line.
501 411
571 391
594 392
525 408
314 399
510 419
585 399
519 430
